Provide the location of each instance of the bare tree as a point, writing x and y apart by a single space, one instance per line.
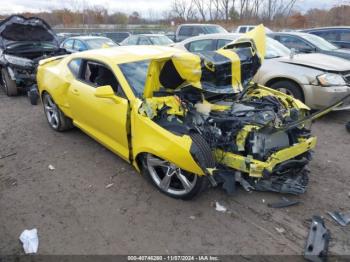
185 10
201 8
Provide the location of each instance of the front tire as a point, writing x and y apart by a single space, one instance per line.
289 88
172 180
8 84
55 117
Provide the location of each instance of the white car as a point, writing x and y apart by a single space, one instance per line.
318 80
242 29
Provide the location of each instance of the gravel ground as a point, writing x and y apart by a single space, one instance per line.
75 213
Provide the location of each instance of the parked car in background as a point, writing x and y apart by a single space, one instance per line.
246 28
63 36
117 37
188 30
23 42
337 35
147 39
83 43
316 79
309 43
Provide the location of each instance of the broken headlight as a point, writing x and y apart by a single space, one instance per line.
19 61
330 79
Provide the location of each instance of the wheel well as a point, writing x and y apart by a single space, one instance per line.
280 79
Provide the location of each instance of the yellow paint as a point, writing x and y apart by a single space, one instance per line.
122 124
255 167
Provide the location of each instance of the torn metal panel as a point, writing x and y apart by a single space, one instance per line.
316 248
341 218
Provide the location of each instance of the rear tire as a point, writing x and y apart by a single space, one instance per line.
157 171
8 84
55 117
289 88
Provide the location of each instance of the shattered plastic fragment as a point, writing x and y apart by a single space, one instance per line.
109 185
51 167
30 240
220 208
280 230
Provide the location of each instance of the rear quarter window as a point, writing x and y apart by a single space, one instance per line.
74 66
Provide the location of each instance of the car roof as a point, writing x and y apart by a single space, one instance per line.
149 35
229 36
87 37
326 28
199 25
127 54
290 33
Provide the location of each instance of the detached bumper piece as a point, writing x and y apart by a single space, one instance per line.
316 248
295 184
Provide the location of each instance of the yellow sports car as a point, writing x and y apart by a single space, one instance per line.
183 120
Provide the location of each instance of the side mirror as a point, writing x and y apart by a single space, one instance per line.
82 49
104 92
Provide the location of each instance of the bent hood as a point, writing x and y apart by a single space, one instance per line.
222 71
318 61
17 28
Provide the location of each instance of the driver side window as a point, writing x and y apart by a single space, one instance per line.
97 74
294 42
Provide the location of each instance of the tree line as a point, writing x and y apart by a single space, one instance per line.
273 13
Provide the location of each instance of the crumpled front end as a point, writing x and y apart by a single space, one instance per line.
258 136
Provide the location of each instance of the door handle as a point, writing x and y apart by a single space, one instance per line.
75 91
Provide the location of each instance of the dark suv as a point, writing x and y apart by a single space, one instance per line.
339 36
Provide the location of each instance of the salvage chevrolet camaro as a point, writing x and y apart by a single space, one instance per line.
184 121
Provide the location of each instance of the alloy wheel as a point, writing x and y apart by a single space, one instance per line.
168 177
51 111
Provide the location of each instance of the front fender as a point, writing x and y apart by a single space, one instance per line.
148 137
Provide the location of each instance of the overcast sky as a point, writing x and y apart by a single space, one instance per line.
143 6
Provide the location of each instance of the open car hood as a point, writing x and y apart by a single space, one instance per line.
17 28
227 70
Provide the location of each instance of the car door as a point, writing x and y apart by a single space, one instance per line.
104 119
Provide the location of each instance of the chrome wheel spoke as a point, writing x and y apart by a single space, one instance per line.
153 161
165 182
184 181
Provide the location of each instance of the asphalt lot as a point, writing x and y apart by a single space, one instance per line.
75 213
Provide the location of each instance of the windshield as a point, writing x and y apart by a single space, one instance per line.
161 40
136 73
96 43
320 42
275 49
213 29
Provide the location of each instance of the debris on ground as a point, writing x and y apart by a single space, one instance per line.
192 217
220 208
285 202
30 241
263 200
51 167
342 219
8 155
109 185
316 248
280 230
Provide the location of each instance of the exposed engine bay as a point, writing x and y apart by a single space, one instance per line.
250 129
